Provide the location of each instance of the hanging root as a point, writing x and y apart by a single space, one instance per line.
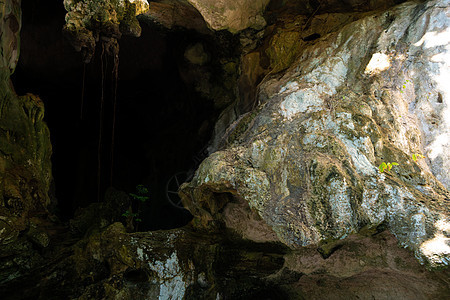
100 135
111 46
115 75
82 91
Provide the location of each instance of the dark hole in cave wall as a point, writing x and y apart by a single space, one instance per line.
161 123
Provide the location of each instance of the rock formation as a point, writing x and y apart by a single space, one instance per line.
327 176
306 159
25 150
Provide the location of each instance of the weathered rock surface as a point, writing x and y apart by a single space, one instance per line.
293 205
236 16
87 22
326 6
306 159
232 15
185 264
25 149
172 14
25 169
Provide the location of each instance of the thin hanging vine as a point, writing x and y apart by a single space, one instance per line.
82 91
100 135
115 74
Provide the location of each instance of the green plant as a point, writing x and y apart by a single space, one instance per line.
386 167
141 193
138 198
416 156
404 85
129 214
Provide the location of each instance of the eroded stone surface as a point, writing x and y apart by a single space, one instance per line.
25 149
89 21
232 15
306 160
172 14
185 264
301 169
25 168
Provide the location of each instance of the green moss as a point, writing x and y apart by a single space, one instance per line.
25 151
283 49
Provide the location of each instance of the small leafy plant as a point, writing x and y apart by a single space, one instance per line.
404 85
141 193
416 156
140 197
386 167
129 214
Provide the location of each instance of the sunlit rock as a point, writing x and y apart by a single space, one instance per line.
307 159
232 15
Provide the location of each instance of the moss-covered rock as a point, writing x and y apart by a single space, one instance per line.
306 160
25 148
88 21
25 167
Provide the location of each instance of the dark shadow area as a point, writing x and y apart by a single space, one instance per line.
161 123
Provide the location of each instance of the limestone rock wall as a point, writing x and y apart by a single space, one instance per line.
293 204
25 167
25 149
306 160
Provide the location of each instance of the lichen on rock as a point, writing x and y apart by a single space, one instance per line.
89 21
307 163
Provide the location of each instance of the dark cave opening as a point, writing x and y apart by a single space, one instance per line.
162 124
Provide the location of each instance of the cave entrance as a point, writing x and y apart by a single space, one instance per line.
162 124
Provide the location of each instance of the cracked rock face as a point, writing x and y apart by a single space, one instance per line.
307 159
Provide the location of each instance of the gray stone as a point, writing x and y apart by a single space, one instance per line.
306 159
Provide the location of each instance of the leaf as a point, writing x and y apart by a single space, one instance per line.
138 220
394 164
382 167
139 197
416 156
141 189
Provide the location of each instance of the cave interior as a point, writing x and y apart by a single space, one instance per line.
143 125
